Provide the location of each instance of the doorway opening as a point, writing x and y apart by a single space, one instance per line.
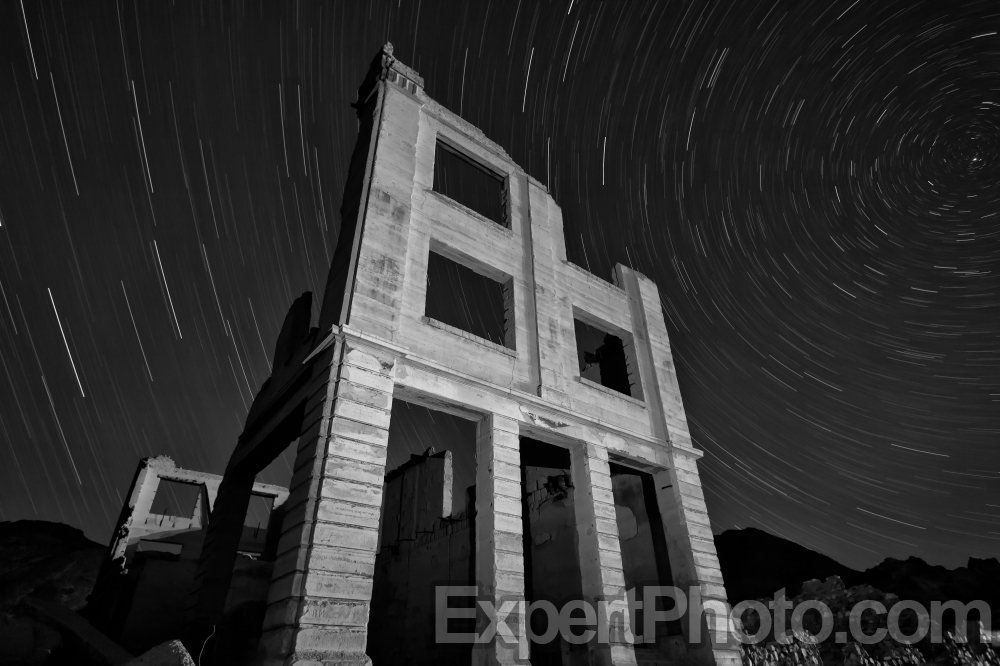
426 536
642 539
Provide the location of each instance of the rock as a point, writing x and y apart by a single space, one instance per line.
76 632
26 642
171 653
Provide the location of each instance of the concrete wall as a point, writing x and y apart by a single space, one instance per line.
421 545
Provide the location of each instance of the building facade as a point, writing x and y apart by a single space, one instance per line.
333 384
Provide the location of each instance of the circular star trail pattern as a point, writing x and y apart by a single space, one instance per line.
812 185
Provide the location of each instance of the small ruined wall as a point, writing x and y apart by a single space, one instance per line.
401 626
421 546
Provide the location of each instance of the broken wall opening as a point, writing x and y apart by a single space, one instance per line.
466 299
464 179
255 527
606 358
426 535
279 471
643 547
551 551
176 498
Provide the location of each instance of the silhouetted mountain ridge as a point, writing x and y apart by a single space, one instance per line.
756 564
52 561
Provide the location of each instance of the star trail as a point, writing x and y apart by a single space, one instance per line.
813 186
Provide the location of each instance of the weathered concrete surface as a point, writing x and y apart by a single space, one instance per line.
322 581
171 653
499 529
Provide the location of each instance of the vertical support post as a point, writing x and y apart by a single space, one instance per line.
321 587
693 560
600 554
140 501
499 545
690 544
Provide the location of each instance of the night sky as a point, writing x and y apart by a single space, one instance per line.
812 185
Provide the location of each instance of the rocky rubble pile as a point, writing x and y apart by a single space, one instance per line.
803 650
966 654
798 653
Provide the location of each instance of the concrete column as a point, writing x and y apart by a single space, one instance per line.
499 546
140 500
694 563
321 587
690 544
600 552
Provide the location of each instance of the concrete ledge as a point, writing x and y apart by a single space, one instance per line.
596 279
493 225
612 392
468 336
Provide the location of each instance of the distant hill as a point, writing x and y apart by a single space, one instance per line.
49 560
756 564
916 580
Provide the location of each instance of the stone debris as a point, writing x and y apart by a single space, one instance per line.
887 652
26 642
171 653
855 654
773 654
970 654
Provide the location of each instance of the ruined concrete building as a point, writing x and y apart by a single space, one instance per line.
586 481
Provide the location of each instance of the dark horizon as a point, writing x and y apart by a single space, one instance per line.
811 185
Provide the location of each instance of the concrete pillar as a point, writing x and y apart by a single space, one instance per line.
140 500
690 543
600 552
694 563
499 546
105 609
321 587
